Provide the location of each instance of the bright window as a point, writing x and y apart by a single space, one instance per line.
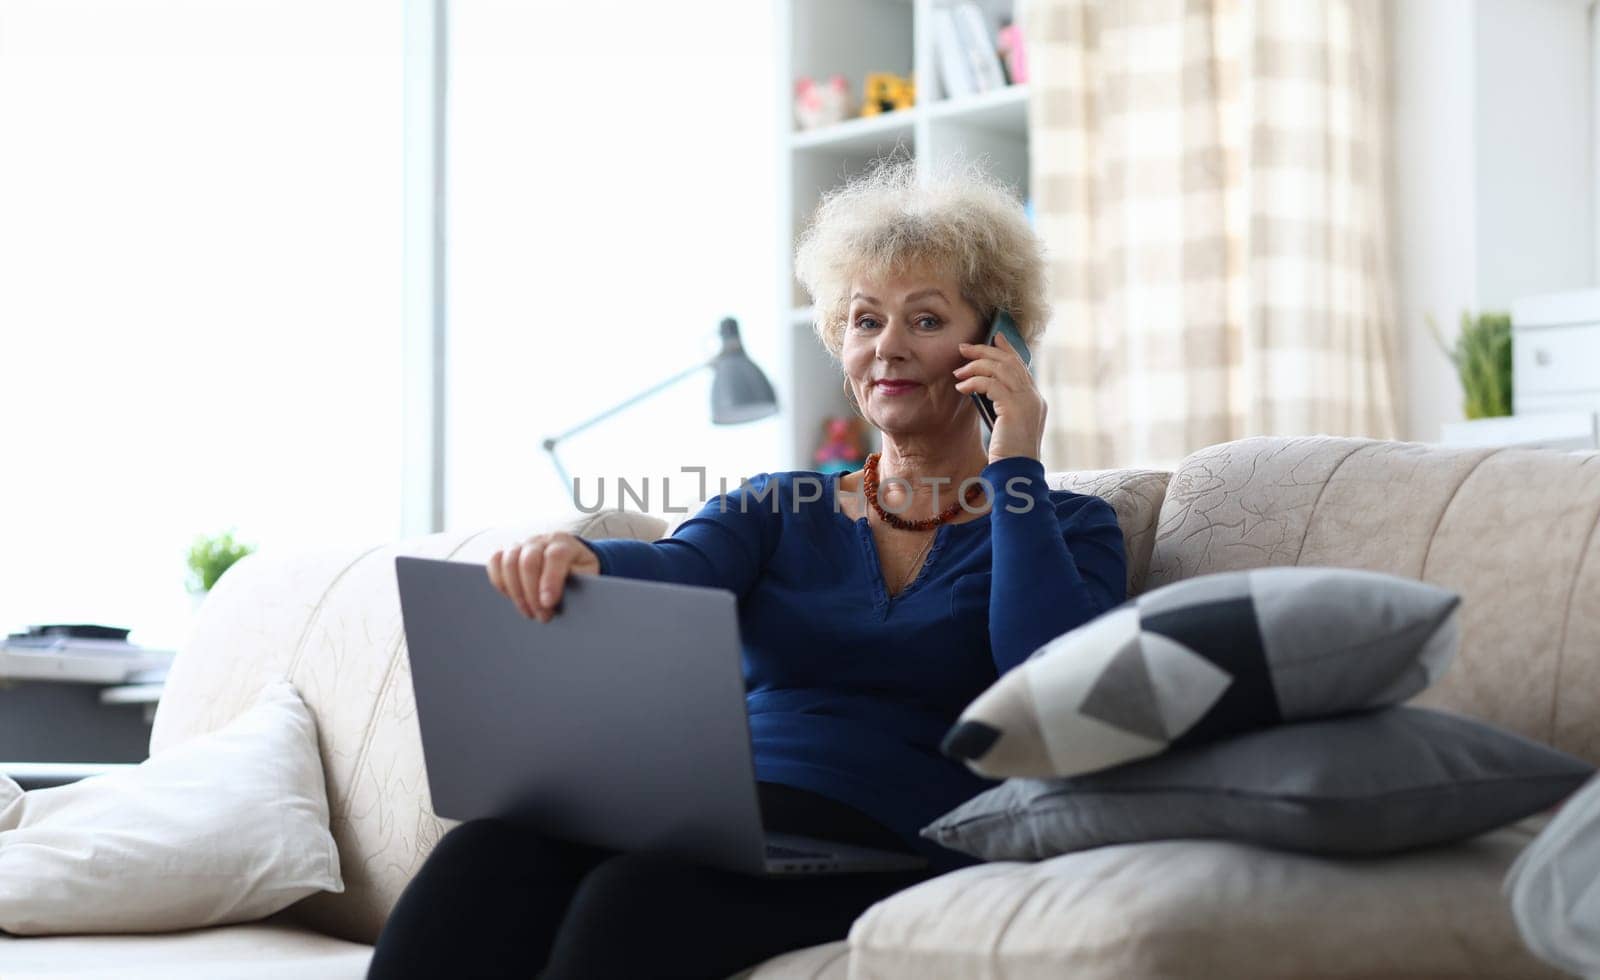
200 261
612 197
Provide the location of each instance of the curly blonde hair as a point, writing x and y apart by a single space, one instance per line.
961 222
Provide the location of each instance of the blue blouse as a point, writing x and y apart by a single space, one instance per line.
850 690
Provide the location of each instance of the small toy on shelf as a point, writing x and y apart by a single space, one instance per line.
1013 53
886 92
821 105
842 445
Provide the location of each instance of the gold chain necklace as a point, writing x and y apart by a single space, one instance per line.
916 563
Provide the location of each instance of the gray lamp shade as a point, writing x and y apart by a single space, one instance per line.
739 391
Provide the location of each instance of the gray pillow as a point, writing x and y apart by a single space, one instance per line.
1208 657
1371 783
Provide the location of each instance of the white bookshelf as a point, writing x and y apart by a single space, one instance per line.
853 38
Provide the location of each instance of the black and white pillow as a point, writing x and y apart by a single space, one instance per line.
1209 657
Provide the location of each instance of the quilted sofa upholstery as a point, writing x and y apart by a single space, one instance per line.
1513 530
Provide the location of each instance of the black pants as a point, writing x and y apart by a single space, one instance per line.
496 900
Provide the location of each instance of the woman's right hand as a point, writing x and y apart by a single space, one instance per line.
533 574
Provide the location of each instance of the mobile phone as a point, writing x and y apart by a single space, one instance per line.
1002 323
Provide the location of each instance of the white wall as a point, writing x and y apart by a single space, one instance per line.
1533 146
1493 172
1434 206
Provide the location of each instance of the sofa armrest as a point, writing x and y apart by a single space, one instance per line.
42 775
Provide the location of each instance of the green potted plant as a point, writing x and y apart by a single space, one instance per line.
209 557
1482 356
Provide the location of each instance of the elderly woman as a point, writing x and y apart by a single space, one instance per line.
874 606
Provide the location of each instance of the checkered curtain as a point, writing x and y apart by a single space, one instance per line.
1208 177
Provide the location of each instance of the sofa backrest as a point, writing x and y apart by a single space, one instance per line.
1512 530
1135 496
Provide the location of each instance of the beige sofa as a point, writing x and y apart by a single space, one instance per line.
1513 530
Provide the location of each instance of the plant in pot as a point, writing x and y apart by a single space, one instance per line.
1482 356
209 557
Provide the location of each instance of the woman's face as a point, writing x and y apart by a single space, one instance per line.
907 329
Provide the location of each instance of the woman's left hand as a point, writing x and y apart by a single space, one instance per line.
998 373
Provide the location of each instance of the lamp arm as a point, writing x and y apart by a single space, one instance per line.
641 396
550 443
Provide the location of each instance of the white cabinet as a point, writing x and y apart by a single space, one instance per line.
1543 430
1562 360
1555 378
821 38
1555 352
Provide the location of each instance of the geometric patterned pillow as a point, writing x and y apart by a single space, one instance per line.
1208 657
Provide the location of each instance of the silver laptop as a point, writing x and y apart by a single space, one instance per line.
620 723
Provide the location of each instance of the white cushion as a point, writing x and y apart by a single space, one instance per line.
1554 887
829 961
227 827
256 951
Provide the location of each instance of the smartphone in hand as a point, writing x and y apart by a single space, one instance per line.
1002 324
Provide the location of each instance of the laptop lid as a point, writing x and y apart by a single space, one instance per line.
619 723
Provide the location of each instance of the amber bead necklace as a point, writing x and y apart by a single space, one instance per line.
869 483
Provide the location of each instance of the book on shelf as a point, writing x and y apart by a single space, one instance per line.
955 69
981 48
